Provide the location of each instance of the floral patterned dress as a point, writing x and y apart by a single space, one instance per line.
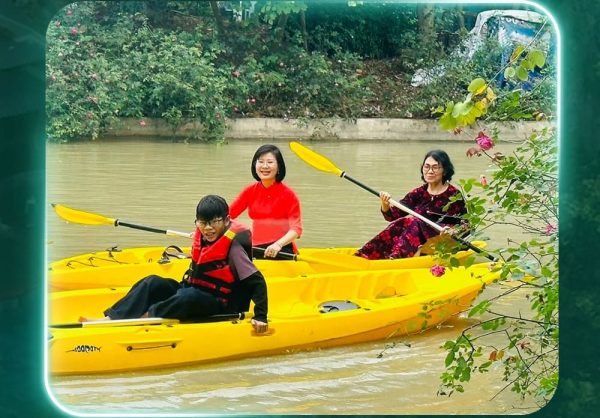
405 234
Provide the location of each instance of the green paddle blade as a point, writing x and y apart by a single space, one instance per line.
314 159
81 217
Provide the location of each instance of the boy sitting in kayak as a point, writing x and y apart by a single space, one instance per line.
222 278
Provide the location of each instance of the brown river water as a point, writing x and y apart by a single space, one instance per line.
158 183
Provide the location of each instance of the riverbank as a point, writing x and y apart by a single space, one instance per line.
327 129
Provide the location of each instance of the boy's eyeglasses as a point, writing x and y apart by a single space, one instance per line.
213 223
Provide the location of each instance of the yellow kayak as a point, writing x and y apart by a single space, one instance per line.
316 311
116 268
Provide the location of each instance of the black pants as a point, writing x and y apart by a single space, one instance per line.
165 298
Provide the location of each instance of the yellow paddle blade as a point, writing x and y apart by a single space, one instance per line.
318 161
81 217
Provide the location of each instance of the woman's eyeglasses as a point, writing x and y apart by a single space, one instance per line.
434 168
213 223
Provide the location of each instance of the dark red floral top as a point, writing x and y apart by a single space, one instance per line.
405 234
430 206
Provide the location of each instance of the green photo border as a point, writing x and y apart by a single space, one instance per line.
22 212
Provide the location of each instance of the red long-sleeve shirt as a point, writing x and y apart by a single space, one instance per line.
273 211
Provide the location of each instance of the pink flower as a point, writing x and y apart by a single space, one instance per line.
73 31
438 270
94 76
551 229
236 73
484 141
483 180
69 12
142 123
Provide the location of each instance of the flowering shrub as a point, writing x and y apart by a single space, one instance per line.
522 192
122 66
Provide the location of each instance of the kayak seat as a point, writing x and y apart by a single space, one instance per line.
337 305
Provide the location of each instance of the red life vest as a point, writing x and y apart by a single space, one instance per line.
210 268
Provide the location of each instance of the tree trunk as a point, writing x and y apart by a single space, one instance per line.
304 32
426 23
460 16
280 29
218 18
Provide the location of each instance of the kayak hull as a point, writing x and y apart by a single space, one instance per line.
117 268
373 306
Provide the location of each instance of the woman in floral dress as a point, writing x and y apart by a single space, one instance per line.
406 233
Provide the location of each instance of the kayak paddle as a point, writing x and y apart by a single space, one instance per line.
89 218
357 263
146 321
321 163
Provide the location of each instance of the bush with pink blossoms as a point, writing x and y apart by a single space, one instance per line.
521 192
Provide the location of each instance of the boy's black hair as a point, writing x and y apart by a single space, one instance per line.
263 149
442 158
210 207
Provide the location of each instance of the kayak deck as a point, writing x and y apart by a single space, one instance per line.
373 305
116 268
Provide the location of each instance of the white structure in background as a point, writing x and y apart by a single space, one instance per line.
240 12
510 27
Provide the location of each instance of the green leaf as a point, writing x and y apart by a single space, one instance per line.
479 308
477 86
509 72
449 358
528 65
458 109
447 122
537 57
522 74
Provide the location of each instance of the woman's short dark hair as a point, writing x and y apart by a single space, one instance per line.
442 158
210 207
263 149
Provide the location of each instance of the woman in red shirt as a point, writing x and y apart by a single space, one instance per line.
273 206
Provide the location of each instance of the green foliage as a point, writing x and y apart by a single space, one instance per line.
104 66
155 59
522 192
518 97
272 10
135 71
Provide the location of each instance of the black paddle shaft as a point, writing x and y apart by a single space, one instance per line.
280 255
459 239
140 227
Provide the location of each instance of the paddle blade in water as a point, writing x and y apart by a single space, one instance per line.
81 217
313 159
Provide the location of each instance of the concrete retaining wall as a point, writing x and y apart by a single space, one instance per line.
362 129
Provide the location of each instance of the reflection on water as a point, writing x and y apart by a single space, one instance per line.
159 184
